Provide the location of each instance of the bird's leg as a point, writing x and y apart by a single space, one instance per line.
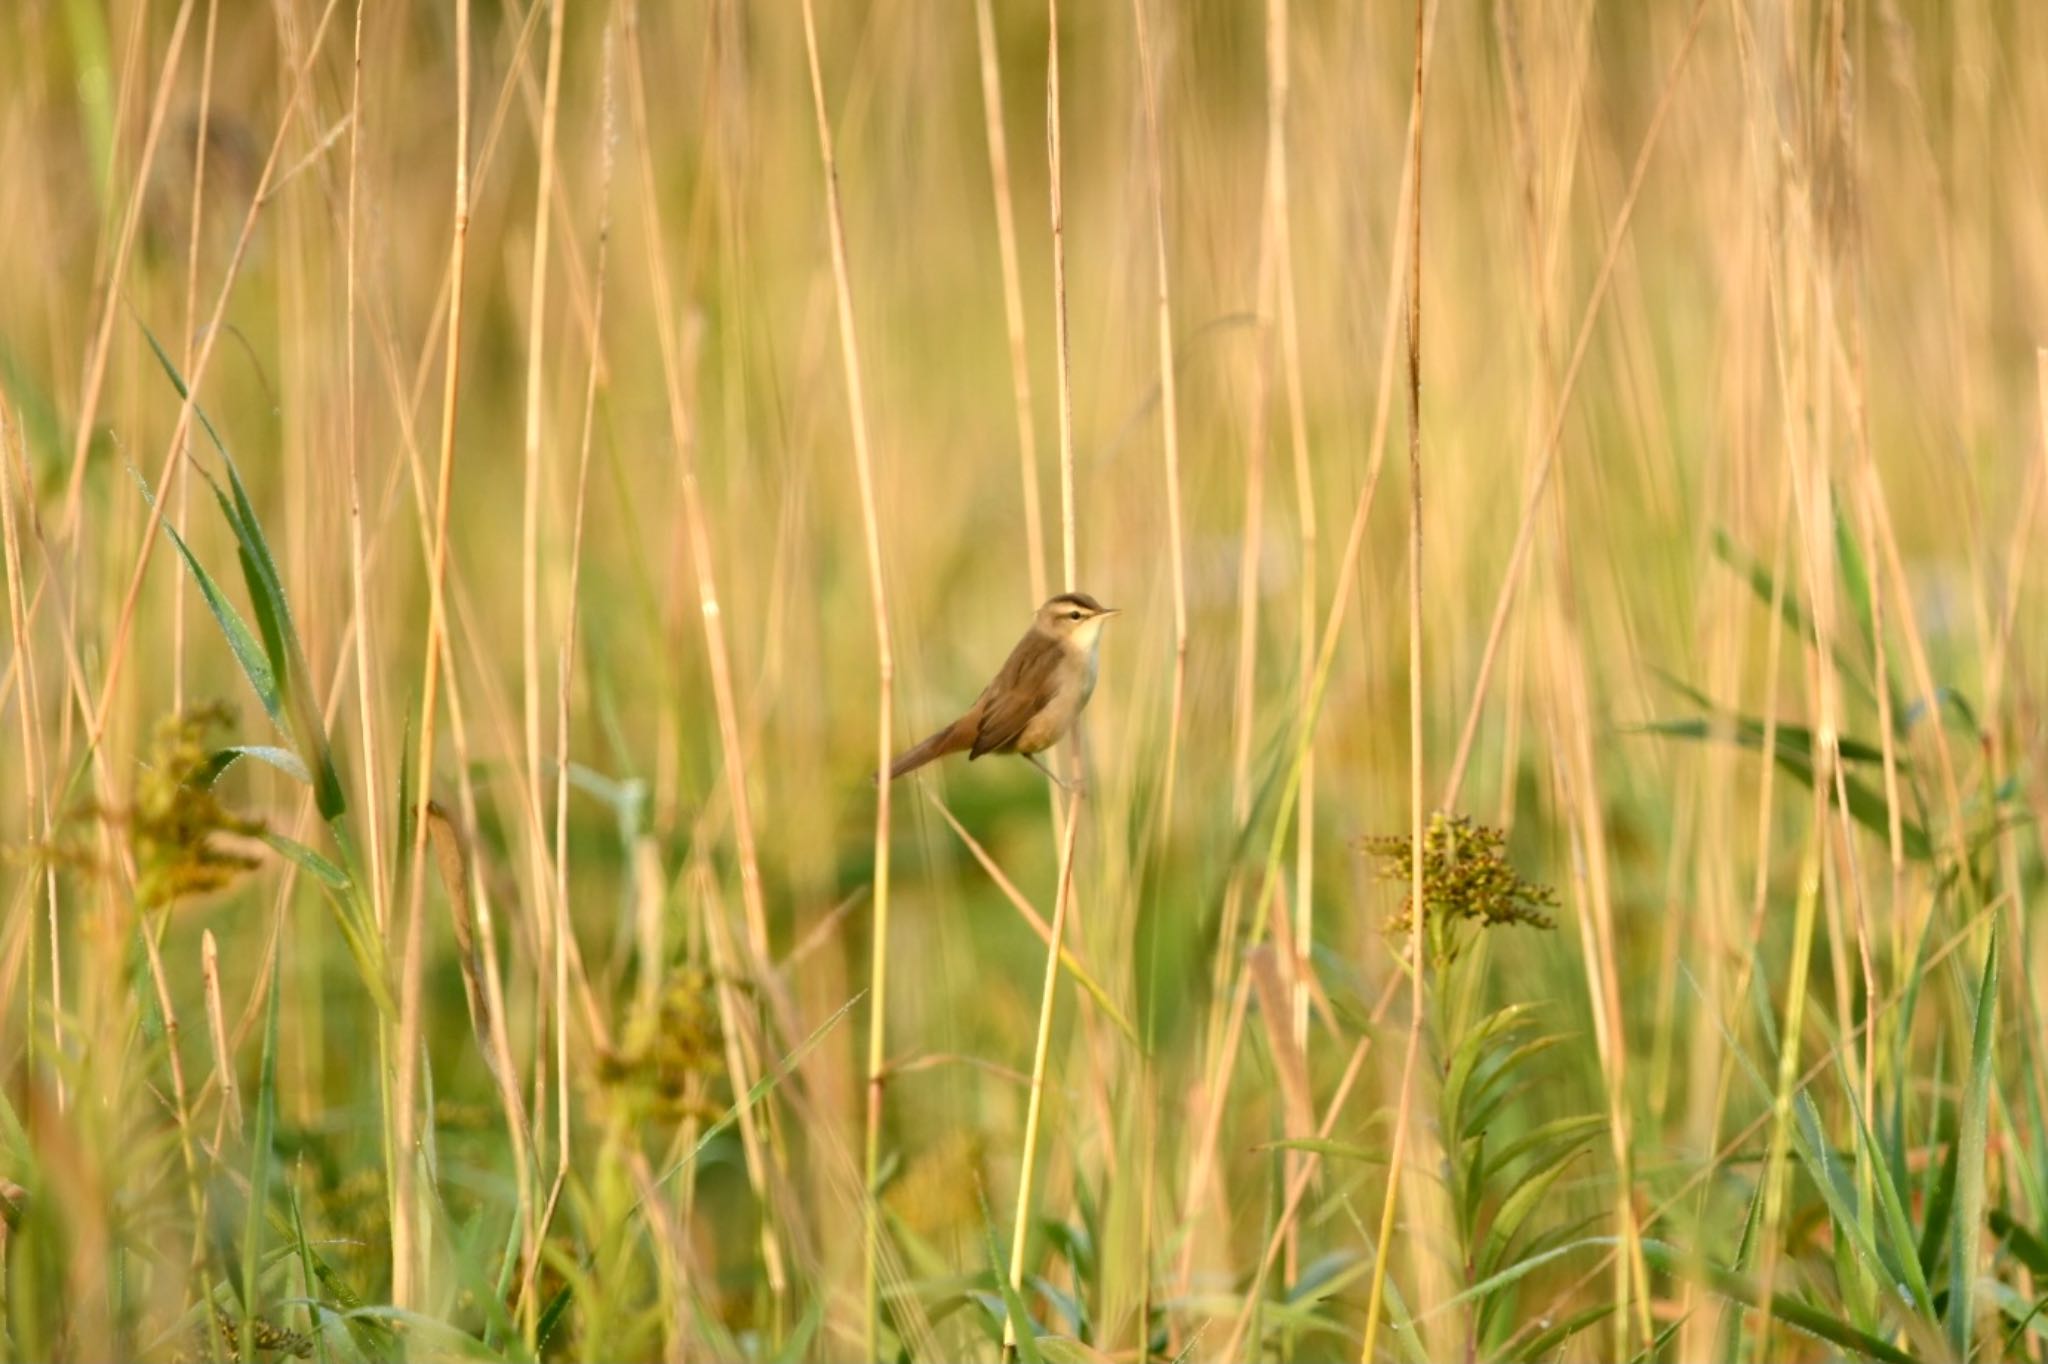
1051 775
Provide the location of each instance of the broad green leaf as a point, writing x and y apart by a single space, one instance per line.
1569 1130
1473 1049
1525 1199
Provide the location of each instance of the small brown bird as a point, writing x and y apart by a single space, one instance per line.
1035 698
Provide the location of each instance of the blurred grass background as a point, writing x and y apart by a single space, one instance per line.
1730 316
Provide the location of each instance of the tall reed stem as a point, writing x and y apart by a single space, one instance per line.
1020 1236
885 669
1418 907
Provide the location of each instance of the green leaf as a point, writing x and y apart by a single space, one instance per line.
1516 1272
1786 1308
796 1347
255 663
2026 1246
1973 1138
1486 1096
306 1272
1067 1350
1528 1195
1865 806
1546 1344
1760 581
273 613
1473 1048
427 1334
1021 1326
1327 1275
551 1316
761 1088
1856 585
217 764
1324 1146
1569 1130
325 871
1892 1205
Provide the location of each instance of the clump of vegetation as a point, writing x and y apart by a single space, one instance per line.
1466 878
940 1190
667 1056
177 823
178 829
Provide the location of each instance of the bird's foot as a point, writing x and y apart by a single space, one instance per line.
1076 787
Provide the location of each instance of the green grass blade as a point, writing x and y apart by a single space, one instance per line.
283 759
260 1161
267 598
1761 582
323 870
1025 1329
1794 1312
241 641
1967 1222
754 1095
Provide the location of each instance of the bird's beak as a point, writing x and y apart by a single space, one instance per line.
1110 611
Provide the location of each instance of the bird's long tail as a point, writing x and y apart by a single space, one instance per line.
954 738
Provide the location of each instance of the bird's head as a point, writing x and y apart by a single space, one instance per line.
1075 617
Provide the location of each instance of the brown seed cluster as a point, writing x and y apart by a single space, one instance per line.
177 820
176 826
1466 876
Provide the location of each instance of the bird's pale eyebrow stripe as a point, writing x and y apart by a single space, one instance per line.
1081 599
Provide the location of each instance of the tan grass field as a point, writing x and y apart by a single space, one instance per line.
445 912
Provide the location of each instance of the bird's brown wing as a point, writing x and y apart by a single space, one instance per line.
1020 691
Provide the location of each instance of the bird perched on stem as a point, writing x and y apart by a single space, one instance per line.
1035 699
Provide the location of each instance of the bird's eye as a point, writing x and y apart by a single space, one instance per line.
1073 615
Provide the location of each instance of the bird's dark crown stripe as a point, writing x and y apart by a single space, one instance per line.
1080 599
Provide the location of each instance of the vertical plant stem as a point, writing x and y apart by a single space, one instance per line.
538 871
28 707
1013 295
1776 1171
351 438
885 668
103 335
1305 496
1020 1235
564 684
198 221
1418 906
1169 423
678 363
407 1267
1525 530
1059 292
